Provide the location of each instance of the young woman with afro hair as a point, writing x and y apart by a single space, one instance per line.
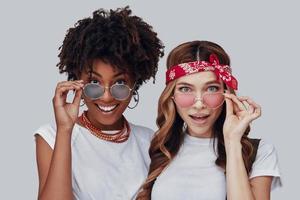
98 154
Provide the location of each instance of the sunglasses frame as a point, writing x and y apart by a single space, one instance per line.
201 99
107 87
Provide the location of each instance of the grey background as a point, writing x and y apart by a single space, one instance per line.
262 38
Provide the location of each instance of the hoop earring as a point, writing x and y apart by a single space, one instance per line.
83 103
136 99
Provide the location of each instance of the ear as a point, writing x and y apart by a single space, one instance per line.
172 97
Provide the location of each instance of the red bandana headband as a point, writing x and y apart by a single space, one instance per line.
222 72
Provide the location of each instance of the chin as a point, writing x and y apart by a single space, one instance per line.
108 120
203 131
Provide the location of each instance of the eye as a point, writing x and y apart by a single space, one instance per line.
213 88
121 82
184 89
94 81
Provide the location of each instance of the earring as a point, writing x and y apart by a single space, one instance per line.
136 99
184 127
83 103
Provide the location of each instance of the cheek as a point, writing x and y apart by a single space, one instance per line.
216 114
123 104
183 112
88 102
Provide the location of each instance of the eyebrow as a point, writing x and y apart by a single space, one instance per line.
115 75
207 83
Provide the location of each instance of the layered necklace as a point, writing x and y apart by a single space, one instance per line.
119 137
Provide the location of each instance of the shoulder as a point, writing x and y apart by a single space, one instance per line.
47 132
267 163
141 132
265 148
262 147
47 128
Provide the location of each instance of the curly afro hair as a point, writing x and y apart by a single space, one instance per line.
116 37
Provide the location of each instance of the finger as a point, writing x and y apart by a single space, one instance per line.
61 94
256 114
245 104
81 85
251 103
236 108
256 109
77 97
229 105
62 83
243 98
250 109
64 89
79 82
68 83
237 102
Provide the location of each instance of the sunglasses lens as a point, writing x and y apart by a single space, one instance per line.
120 92
184 100
213 100
93 91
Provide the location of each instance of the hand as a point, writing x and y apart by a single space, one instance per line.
238 116
66 114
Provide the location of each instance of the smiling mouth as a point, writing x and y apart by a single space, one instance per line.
107 109
199 119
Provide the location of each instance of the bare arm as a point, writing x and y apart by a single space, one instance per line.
261 187
54 166
238 184
238 117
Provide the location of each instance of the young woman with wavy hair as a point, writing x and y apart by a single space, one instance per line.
202 149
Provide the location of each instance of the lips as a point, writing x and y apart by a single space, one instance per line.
107 109
199 118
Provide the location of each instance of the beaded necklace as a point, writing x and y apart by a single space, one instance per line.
119 137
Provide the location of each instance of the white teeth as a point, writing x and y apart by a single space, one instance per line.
107 108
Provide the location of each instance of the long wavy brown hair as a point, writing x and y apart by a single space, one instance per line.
169 137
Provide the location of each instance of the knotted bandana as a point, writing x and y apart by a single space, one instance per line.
222 72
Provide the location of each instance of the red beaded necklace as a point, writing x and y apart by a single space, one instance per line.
119 137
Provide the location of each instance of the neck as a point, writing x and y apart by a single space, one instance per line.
207 134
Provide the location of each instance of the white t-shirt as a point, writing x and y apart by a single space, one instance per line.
102 169
193 173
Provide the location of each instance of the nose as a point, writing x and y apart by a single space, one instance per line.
198 103
107 97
